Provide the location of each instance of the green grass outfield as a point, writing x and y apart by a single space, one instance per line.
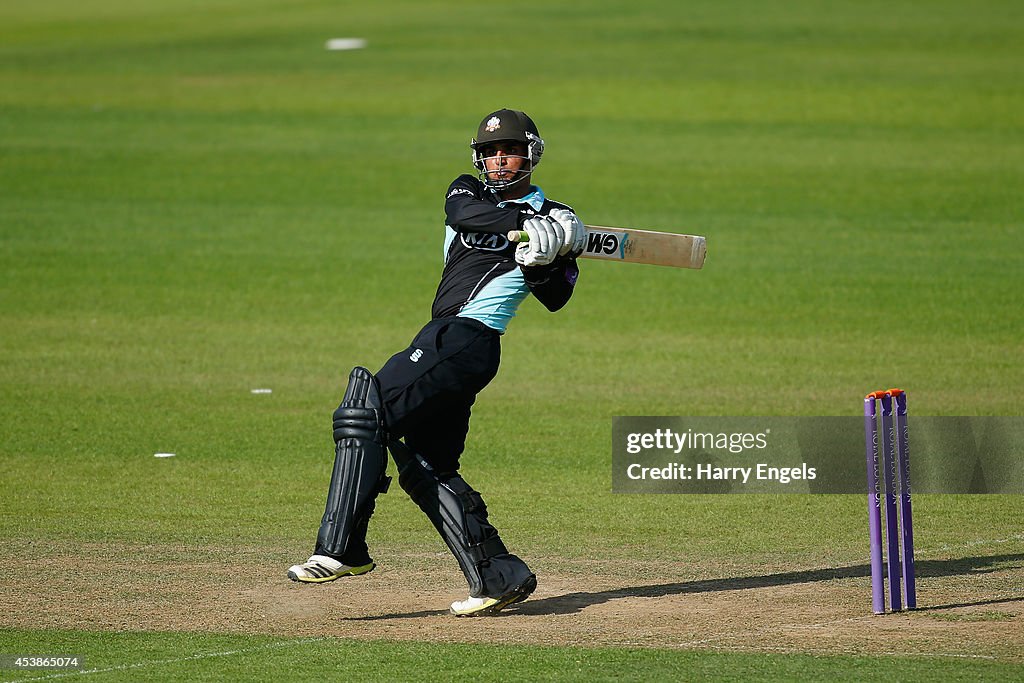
197 199
187 657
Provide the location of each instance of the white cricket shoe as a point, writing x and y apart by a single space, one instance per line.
320 569
479 607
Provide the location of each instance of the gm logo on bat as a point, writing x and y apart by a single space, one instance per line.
608 244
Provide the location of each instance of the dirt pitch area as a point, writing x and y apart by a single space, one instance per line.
972 600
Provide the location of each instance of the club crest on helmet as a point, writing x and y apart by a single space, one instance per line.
493 124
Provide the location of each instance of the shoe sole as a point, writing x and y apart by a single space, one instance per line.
354 571
518 594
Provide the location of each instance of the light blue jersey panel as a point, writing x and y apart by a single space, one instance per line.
449 237
496 303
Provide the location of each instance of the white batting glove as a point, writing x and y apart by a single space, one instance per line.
546 238
575 232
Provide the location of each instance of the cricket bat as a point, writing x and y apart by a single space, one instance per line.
638 246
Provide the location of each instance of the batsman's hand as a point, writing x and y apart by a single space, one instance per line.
546 238
575 240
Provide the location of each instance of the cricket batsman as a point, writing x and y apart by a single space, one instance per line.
418 405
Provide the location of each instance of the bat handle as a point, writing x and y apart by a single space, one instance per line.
518 236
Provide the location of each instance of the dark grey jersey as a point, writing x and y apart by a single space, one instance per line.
481 279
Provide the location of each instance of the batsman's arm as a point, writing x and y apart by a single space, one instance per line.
552 284
465 210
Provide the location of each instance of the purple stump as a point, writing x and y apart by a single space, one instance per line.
906 516
874 506
892 525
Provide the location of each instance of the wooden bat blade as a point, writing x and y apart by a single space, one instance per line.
639 246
